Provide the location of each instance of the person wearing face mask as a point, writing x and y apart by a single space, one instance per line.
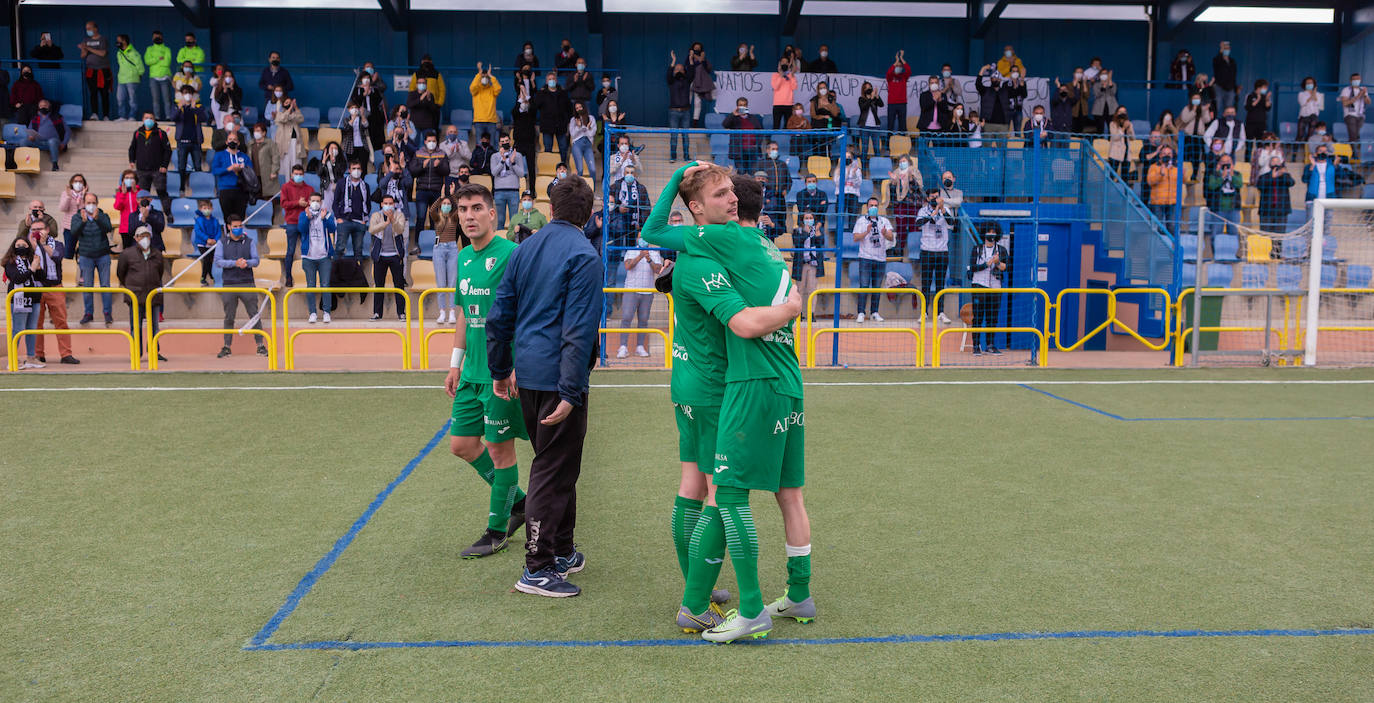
582 130
1311 102
448 240
332 168
679 108
935 222
1320 135
46 129
67 206
952 197
1149 156
624 157
931 100
1275 187
987 264
227 97
95 57
458 152
485 88
1010 62
290 136
434 83
1162 178
903 195
355 139
554 109
607 93
870 122
566 58
317 229
141 269
274 76
231 183
527 220
264 153
1225 77
1118 151
1266 151
813 200
430 169
507 170
874 235
1037 126
784 85
92 231
579 85
125 203
897 75
825 113
1105 105
744 150
1354 99
1168 128
960 127
1193 122
128 77
481 155
24 95
526 57
388 229
424 104
40 229
235 258
1016 94
797 121
1222 192
822 63
744 59
295 198
158 58
1181 70
633 200
808 264
1063 102
22 271
204 234
994 97
146 217
851 181
1257 107
1320 176
47 52
369 93
190 52
185 78
703 82
1230 131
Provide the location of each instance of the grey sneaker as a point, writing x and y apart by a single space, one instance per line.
696 623
803 612
738 627
720 595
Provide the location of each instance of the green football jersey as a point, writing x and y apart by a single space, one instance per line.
699 362
479 273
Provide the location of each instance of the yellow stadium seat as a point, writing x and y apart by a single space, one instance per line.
6 185
190 280
481 180
171 134
1134 149
590 183
1243 168
1258 248
421 275
882 193
325 135
276 243
503 233
28 159
71 276
548 163
913 124
819 166
207 131
1337 149
541 187
267 274
898 144
1102 147
298 273
545 207
1015 144
171 239
1188 172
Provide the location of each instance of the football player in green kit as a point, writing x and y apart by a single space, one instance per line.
484 427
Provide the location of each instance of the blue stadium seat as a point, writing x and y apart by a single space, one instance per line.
312 117
1189 274
174 181
460 116
1289 276
15 134
1288 131
314 155
250 115
1142 128
1329 245
865 190
371 181
1366 131
1226 248
1296 219
828 187
1330 274
793 163
879 167
313 181
1294 248
259 216
335 115
427 238
784 142
720 143
183 212
202 184
1220 275
1254 276
71 114
1188 244
1358 276
714 120
901 268
1367 151
378 157
1368 191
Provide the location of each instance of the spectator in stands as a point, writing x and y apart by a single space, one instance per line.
1181 70
150 153
190 117
799 120
332 170
812 199
232 123
388 229
582 130
463 178
527 220
1204 88
146 216
931 100
1162 178
784 84
1275 186
48 254
23 271
1093 70
457 150
566 58
1311 102
825 113
141 270
235 258
125 202
525 137
613 116
579 84
1037 126
131 72
228 167
295 198
778 176
994 100
433 85
633 198
605 94
1168 129
703 81
743 60
507 169
1320 136
1320 176
424 105
484 89
369 94
292 139
1354 98
430 170
67 206
641 266
1194 122
317 229
1149 156
774 206
189 52
24 95
1104 101
158 58
808 264
1010 62
934 219
903 196
1119 149
679 110
206 232
870 121
47 53
952 197
874 235
1016 98
400 120
975 135
959 126
897 75
1230 131
353 133
448 240
274 104
1257 106
851 182
266 158
95 55
1222 193
986 266
91 229
622 158
554 110
822 63
1268 148
1225 77
526 57
273 76
185 78
46 129
227 97
394 179
482 155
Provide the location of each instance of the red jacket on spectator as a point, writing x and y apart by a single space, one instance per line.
896 84
292 194
25 92
127 204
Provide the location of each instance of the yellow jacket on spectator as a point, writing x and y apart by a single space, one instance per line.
484 99
1004 66
435 85
1163 182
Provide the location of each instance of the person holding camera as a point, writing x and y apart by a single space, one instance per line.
48 251
874 235
934 221
507 169
808 264
22 271
986 266
388 229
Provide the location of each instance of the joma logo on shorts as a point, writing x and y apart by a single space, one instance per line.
797 419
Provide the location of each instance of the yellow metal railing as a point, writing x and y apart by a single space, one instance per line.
1041 335
1290 333
270 317
426 334
812 334
12 344
1112 319
290 337
666 336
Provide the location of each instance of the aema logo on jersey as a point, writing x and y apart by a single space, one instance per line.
491 263
467 289
463 286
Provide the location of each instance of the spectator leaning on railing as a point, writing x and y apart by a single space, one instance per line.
874 235
48 253
21 271
641 266
141 269
388 229
934 221
235 258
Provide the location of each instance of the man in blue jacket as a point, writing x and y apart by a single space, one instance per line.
549 304
226 166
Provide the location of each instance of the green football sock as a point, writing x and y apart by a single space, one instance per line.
743 541
705 557
685 514
798 573
485 468
504 490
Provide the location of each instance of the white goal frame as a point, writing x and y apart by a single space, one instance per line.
1314 269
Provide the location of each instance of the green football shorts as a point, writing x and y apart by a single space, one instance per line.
761 445
696 434
478 412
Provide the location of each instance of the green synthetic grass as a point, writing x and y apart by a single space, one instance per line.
148 536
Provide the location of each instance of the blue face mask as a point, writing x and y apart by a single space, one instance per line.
1225 52
810 187
630 178
238 231
297 178
872 211
149 123
388 208
90 32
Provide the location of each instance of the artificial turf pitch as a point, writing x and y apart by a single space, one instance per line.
987 542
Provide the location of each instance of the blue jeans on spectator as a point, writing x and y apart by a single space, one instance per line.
27 321
188 152
870 276
506 201
53 144
562 145
293 239
584 154
423 199
350 231
489 128
1225 99
317 276
126 95
90 266
679 119
163 106
896 118
868 139
445 270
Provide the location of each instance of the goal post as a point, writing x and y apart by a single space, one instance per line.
1342 254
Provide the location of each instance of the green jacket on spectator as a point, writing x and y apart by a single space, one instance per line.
158 58
194 54
131 68
1218 200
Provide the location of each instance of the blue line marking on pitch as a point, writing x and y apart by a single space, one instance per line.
1114 416
327 561
889 639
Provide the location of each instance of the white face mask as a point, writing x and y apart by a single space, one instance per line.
1015 74
825 54
743 50
356 174
277 93
78 186
605 84
258 135
624 148
144 242
420 87
431 145
486 81
904 167
90 208
315 207
353 111
613 109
